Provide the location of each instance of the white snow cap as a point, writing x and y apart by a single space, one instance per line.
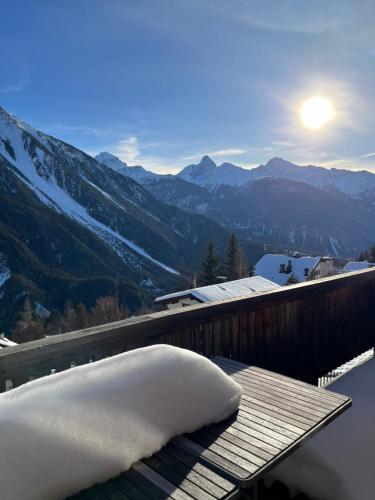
65 432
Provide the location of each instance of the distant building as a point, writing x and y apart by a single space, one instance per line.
357 266
279 268
221 291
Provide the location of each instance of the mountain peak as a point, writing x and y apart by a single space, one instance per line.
278 162
110 160
206 161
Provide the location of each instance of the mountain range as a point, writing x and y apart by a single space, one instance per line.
74 227
280 204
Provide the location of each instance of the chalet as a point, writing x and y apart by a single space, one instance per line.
279 268
357 266
221 291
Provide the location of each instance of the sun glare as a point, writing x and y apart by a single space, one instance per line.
316 112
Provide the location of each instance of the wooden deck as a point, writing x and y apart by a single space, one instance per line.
277 414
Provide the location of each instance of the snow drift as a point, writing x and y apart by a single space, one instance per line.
63 433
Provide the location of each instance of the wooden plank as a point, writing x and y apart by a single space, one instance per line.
226 465
163 484
278 397
269 422
271 418
192 462
284 416
137 487
195 474
312 399
182 481
275 378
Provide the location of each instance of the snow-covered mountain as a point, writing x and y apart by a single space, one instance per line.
212 177
67 220
281 204
136 172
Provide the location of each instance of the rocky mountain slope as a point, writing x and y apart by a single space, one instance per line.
66 221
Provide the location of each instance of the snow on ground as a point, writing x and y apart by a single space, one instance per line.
338 463
65 432
51 194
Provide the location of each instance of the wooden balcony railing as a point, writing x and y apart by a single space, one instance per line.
303 331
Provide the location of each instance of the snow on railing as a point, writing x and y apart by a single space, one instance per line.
304 331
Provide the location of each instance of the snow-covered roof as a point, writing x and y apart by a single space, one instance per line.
4 342
357 266
269 267
221 291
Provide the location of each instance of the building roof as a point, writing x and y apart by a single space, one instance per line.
221 291
269 267
357 266
4 342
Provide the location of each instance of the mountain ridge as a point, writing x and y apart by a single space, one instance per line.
212 176
118 230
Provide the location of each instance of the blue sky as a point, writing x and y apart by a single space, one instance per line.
162 82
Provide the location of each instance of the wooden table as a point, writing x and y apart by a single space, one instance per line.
277 414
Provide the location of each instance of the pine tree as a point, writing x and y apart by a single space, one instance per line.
236 266
371 254
210 266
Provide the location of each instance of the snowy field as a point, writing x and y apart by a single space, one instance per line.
339 462
65 432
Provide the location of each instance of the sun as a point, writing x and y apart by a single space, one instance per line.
316 112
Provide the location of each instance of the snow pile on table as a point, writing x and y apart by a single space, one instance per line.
63 433
338 463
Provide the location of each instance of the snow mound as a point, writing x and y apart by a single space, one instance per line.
63 433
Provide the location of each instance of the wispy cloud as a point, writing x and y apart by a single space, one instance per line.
15 87
127 149
227 152
367 155
283 144
218 153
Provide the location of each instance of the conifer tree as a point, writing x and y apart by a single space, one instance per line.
210 266
236 266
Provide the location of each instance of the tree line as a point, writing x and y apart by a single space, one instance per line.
30 326
368 255
214 268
